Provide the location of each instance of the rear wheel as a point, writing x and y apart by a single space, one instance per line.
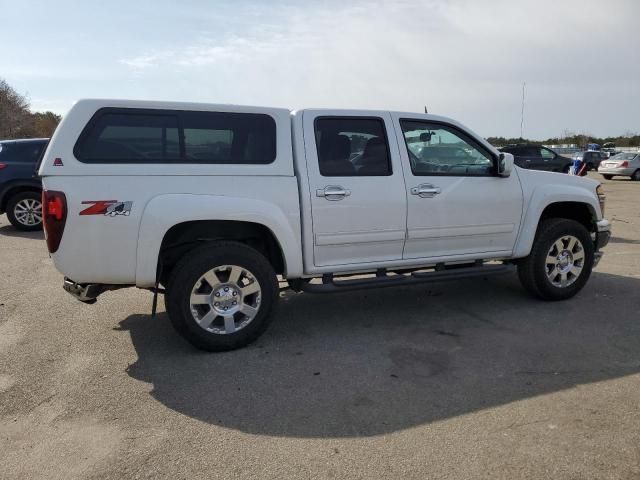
636 175
560 261
607 177
24 211
220 296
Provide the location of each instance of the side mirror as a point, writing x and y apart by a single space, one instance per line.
426 136
505 164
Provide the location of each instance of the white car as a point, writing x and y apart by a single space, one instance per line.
213 202
621 165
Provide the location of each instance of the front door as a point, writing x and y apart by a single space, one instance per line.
458 208
549 162
357 191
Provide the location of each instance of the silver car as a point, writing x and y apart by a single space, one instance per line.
623 165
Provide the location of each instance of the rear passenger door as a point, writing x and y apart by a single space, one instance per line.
532 158
548 159
21 158
357 191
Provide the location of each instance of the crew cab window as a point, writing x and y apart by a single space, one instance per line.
352 146
25 152
533 152
547 154
172 136
437 149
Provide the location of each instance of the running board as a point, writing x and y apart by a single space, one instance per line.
382 279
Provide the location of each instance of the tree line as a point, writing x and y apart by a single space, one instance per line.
18 121
580 139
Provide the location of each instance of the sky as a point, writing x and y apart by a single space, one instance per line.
463 59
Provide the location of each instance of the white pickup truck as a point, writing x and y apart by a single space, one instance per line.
209 204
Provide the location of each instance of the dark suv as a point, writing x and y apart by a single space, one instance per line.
20 186
536 157
591 158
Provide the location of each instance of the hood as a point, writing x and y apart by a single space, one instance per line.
539 177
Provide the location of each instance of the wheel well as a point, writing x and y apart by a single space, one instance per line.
580 212
15 190
183 237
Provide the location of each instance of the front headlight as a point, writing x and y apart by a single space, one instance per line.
601 197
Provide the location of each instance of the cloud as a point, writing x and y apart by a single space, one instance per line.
462 58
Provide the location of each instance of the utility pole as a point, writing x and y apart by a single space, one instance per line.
522 112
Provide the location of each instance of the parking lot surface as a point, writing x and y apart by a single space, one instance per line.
472 379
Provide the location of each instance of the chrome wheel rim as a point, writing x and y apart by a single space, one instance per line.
28 212
225 299
565 261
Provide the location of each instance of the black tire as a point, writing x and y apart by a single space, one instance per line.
566 168
607 177
188 273
636 176
16 213
532 270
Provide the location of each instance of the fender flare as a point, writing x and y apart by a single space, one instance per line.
165 211
541 198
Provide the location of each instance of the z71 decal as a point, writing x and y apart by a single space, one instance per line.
111 208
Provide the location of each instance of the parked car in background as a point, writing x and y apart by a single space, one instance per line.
591 158
20 186
626 164
535 157
610 149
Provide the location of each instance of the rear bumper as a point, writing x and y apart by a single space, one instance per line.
625 172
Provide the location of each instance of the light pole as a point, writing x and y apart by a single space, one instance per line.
522 112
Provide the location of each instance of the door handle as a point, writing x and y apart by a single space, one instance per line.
333 192
426 190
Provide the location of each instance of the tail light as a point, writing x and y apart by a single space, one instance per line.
624 164
54 217
2 165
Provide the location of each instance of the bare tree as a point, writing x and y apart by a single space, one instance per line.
43 124
17 121
15 118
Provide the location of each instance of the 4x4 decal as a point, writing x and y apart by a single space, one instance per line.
110 208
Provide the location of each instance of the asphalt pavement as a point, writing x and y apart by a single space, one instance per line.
465 380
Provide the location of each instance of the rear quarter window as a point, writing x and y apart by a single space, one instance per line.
23 152
171 136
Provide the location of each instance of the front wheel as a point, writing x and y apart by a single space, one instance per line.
607 177
636 176
220 296
560 261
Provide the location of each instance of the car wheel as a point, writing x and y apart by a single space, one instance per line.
24 211
560 261
566 169
636 175
607 177
220 295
